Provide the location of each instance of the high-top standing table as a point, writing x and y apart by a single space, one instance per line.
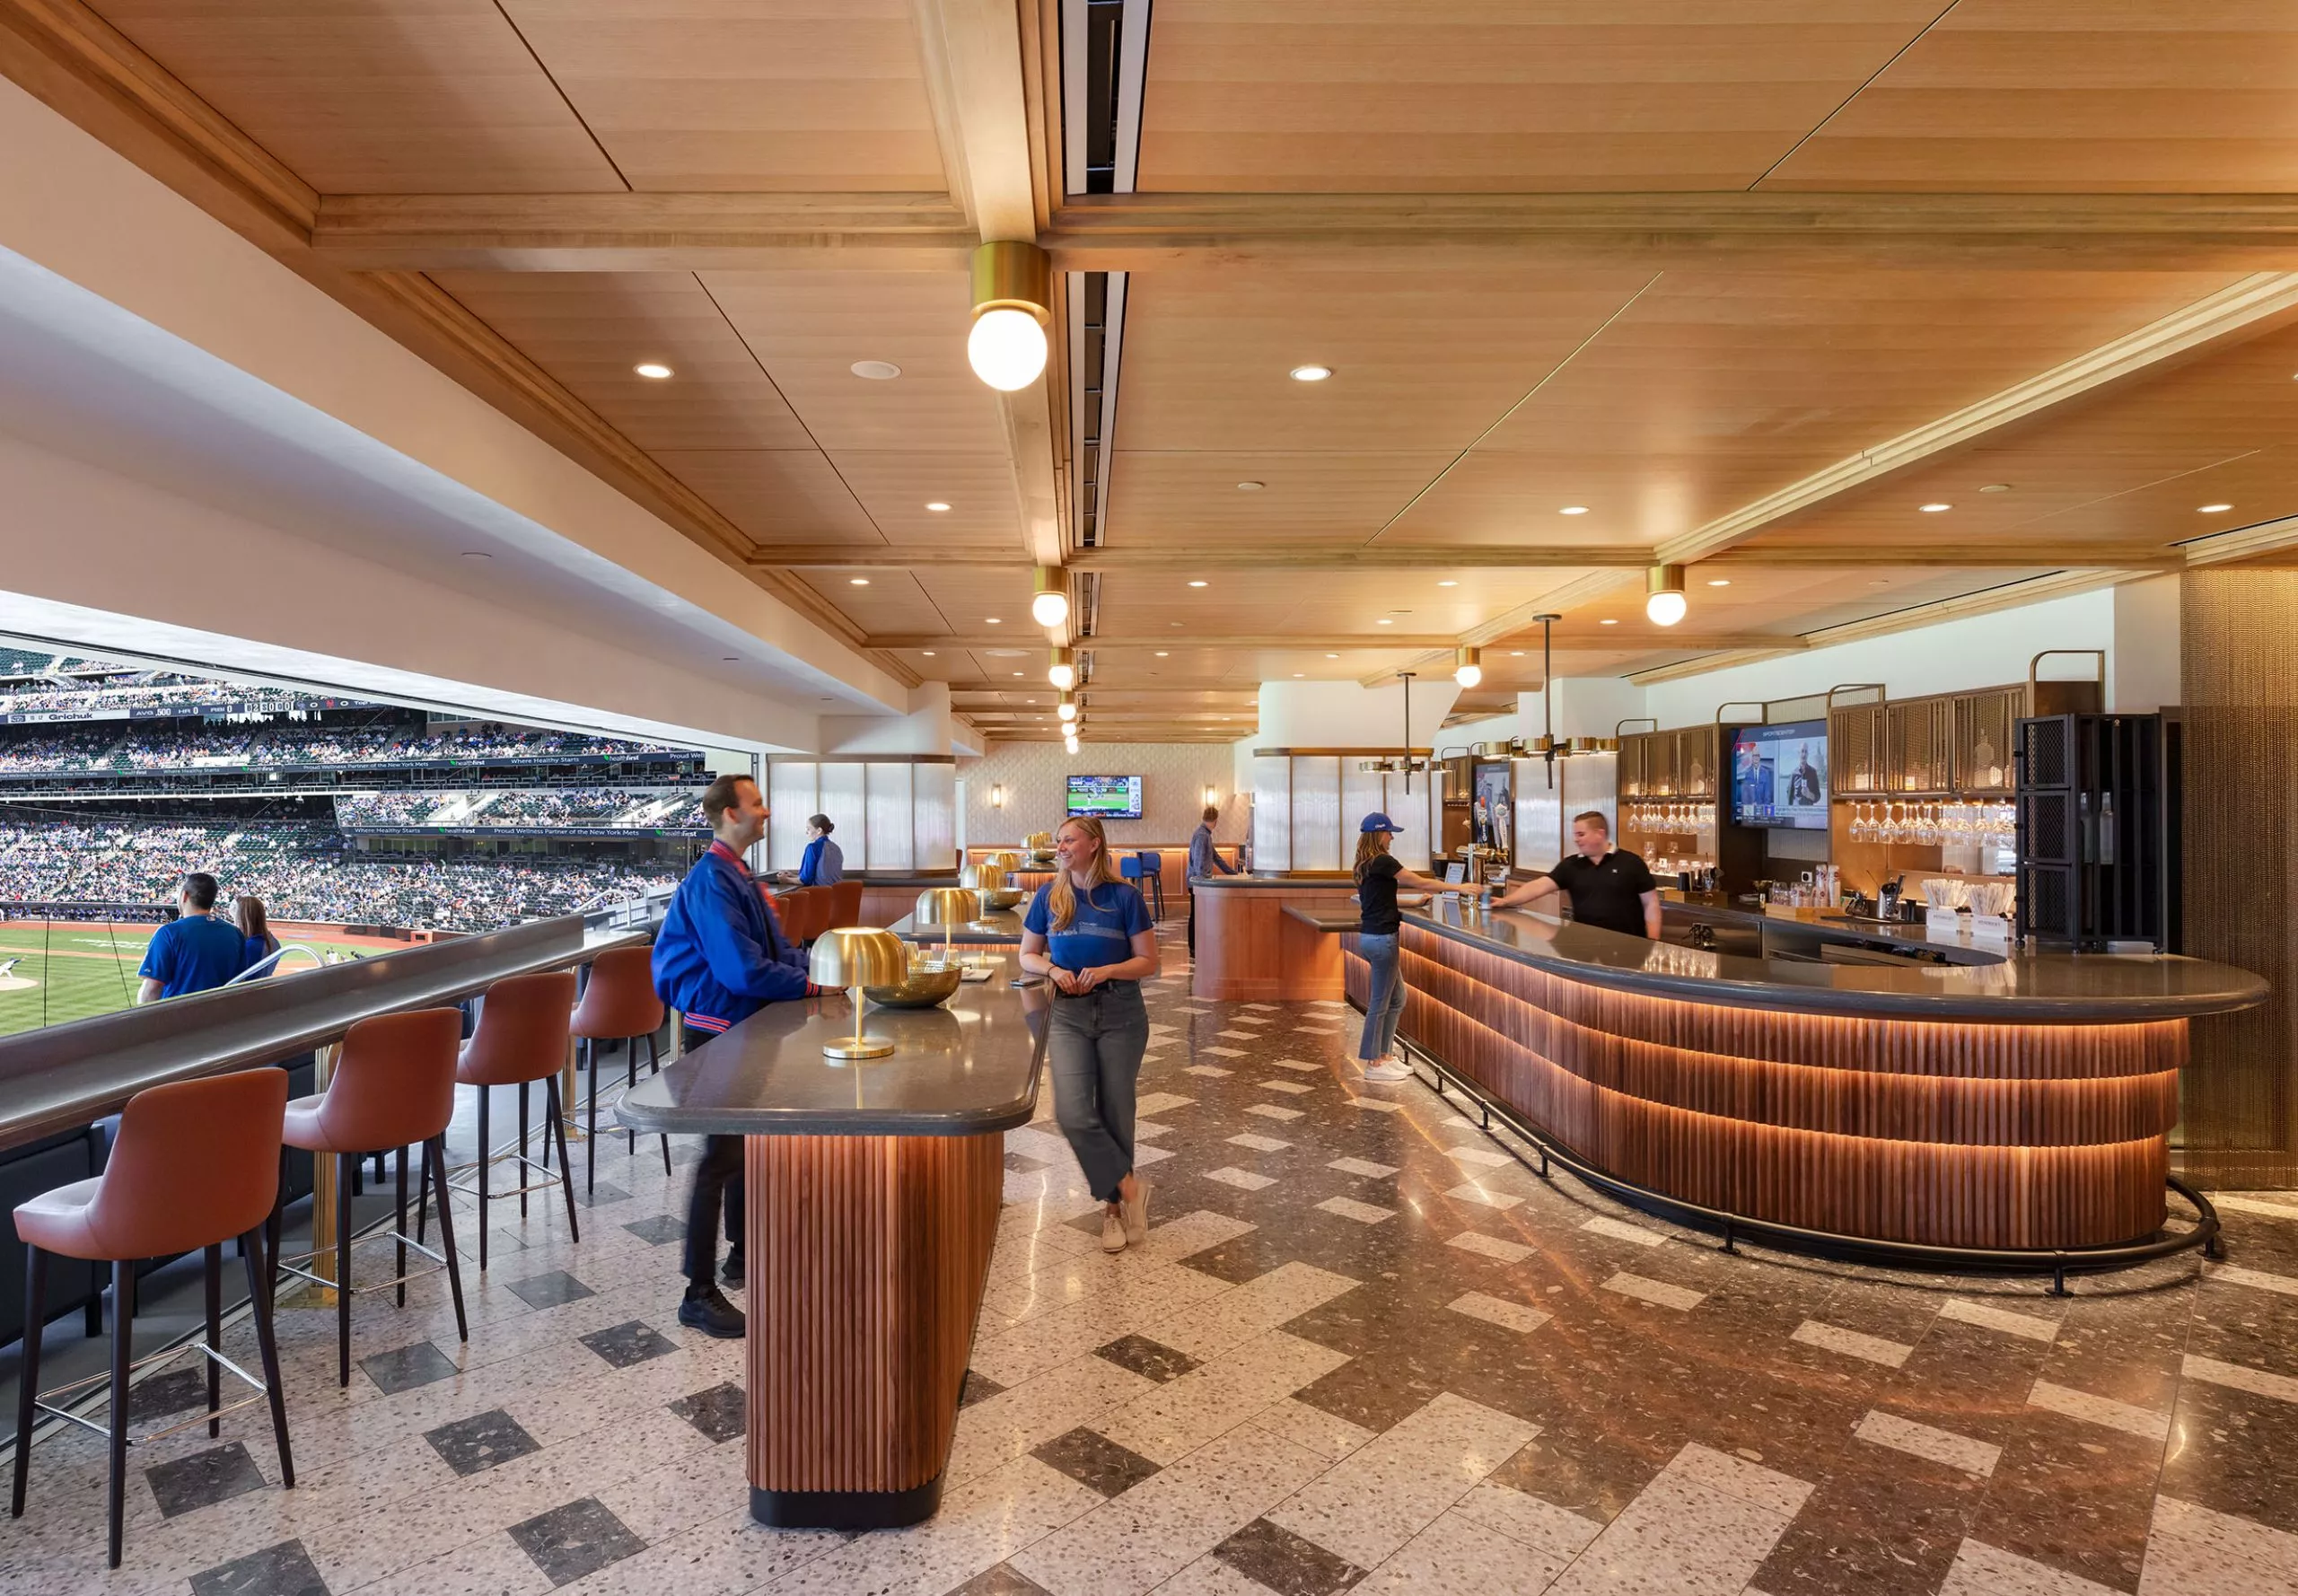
873 1192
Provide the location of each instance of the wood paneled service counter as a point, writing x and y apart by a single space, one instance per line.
2022 1103
873 1191
1250 949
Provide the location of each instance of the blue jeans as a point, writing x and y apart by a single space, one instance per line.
1384 1003
1093 1047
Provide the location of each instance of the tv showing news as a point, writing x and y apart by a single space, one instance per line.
1779 776
1106 797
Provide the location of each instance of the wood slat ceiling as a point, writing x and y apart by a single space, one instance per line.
1475 396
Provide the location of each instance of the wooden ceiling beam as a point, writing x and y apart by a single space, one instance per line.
682 231
842 557
1583 637
2004 554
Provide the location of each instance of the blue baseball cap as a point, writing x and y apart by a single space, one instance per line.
1377 821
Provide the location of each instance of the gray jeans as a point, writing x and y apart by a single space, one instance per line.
1384 999
1093 1046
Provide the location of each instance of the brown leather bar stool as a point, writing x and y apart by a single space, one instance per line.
845 903
194 1165
394 1086
524 1024
805 913
618 1005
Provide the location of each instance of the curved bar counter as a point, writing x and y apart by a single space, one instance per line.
873 1191
1252 948
2014 1105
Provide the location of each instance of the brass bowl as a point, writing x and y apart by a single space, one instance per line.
931 981
1000 897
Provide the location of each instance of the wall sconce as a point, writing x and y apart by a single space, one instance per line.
1212 796
997 795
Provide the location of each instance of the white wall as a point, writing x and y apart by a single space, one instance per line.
925 730
2143 670
1346 714
1035 776
1976 651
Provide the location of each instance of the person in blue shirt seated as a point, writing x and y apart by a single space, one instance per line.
1088 931
256 944
823 863
719 959
193 952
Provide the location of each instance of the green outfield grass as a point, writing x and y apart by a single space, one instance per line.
78 971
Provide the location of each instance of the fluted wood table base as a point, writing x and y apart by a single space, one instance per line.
867 1260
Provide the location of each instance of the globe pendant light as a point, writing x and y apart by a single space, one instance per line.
1063 671
1049 606
1467 667
1013 300
1663 602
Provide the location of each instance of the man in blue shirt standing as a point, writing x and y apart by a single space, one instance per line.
719 959
194 952
1203 860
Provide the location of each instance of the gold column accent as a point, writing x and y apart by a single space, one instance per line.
324 1199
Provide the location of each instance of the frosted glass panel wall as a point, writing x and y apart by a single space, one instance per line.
1316 812
890 845
934 819
1541 836
843 802
1272 812
791 793
1409 810
1361 794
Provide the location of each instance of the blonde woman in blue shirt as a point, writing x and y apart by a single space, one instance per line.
1089 934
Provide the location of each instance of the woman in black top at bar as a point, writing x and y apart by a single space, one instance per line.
1378 874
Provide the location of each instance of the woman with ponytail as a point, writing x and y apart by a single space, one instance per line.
1089 934
1378 873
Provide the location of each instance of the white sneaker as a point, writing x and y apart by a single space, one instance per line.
1113 1232
1388 1070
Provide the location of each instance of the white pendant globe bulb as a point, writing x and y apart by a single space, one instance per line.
1664 609
1006 348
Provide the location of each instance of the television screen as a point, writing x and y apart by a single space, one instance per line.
1779 776
1106 797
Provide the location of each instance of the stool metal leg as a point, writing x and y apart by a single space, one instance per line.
215 1271
123 1329
523 1150
654 1059
556 1126
259 1303
591 1153
629 1079
28 1377
484 1092
399 1227
435 1169
346 1163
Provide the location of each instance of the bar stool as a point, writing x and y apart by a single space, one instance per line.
618 1005
394 1085
1148 871
806 914
195 1164
525 1025
844 905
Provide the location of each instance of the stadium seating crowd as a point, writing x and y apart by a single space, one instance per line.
85 750
300 875
605 809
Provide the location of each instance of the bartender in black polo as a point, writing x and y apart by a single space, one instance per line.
1609 887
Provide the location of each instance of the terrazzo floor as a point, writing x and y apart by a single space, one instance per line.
1364 1348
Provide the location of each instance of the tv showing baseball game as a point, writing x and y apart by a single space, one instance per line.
1779 776
1106 797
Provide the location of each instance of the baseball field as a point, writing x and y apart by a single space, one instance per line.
52 971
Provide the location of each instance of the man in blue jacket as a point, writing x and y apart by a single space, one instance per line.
719 959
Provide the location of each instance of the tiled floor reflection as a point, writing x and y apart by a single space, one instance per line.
1359 1351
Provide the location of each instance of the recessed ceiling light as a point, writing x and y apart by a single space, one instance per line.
1448 583
1934 508
1299 675
1996 487
857 581
1384 621
1161 654
1719 581
937 506
927 652
1310 373
2212 509
1017 673
1251 487
1607 622
1198 584
994 620
876 371
1332 656
654 369
1573 509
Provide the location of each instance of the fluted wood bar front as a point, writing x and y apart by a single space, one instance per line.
873 1190
2012 1106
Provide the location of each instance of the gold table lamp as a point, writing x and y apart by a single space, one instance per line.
948 908
855 957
